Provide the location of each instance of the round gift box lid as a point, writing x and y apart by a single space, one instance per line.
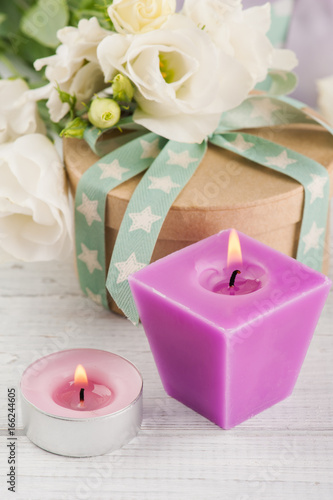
226 190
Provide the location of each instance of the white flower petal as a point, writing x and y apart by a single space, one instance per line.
135 16
241 34
283 59
325 97
35 217
87 81
19 115
259 17
74 67
183 128
111 53
205 82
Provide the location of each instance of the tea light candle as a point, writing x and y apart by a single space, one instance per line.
228 332
81 402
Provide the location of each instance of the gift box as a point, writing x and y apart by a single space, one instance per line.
226 190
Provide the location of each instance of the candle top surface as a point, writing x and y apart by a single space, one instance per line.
44 379
183 278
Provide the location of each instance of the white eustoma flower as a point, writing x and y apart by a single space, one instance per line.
209 14
74 67
242 34
137 16
35 217
17 118
325 97
183 81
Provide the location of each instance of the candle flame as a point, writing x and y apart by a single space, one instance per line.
80 377
234 250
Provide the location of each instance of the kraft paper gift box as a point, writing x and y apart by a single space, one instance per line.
225 191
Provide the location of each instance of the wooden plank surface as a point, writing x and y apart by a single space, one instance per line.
285 452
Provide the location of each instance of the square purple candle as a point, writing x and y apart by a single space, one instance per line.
229 332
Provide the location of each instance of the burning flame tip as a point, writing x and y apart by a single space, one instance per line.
80 376
234 249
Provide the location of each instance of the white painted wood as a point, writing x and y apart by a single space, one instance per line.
284 453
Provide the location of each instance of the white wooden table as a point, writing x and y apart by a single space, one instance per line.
285 452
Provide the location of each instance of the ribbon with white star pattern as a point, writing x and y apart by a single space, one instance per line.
169 166
90 200
145 214
313 176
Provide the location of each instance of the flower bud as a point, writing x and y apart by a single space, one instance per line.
75 128
104 113
122 88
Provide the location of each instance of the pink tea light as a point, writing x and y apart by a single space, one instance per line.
229 334
81 402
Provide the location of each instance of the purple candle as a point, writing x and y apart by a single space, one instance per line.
229 344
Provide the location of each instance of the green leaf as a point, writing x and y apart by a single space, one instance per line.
66 97
80 4
42 21
278 82
80 9
30 50
69 99
11 13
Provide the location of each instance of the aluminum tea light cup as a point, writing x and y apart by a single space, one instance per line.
78 413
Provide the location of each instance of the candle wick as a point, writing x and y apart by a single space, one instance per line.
233 277
82 395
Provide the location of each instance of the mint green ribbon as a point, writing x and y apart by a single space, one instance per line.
169 166
281 12
145 214
90 202
313 176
